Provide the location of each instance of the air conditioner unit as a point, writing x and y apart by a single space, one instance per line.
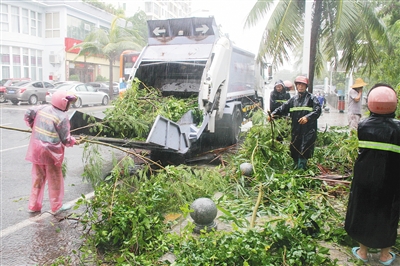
87 27
54 59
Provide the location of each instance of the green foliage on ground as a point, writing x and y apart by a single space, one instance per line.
135 112
277 216
124 222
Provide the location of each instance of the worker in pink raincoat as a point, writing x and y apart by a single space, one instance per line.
50 135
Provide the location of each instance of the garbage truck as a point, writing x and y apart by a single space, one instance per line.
190 56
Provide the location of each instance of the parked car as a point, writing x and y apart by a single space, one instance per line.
87 95
32 92
9 82
63 82
104 86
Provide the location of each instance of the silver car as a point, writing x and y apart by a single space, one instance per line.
87 95
32 92
104 86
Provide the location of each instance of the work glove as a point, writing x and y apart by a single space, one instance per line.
79 140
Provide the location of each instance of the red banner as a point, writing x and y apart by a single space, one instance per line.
69 43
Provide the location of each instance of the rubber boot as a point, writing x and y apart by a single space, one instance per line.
302 164
295 163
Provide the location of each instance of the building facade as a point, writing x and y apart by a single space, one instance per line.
158 9
37 36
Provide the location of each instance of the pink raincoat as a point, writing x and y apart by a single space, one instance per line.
50 134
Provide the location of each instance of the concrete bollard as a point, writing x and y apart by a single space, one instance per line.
203 215
246 169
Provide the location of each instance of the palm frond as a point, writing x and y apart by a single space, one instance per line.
283 32
259 11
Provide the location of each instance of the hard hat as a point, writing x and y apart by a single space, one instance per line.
61 98
301 79
382 100
288 84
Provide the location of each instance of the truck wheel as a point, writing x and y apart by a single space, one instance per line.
227 130
261 103
234 129
2 98
167 158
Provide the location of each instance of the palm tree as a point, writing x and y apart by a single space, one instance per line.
342 31
110 44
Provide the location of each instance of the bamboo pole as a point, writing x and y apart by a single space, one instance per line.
83 139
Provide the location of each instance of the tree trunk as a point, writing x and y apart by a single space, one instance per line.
315 31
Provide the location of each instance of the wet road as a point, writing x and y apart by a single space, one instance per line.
37 239
332 118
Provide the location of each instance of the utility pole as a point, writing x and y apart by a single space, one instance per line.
307 37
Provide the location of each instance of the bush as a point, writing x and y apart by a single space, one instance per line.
74 78
100 78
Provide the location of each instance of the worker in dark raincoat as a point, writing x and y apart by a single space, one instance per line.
374 203
304 109
278 96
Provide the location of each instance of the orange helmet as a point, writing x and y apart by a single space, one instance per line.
301 79
60 99
382 100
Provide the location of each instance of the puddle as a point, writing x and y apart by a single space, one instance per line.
42 242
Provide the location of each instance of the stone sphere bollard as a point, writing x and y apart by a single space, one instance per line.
203 215
246 169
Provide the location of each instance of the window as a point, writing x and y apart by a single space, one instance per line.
39 59
25 61
78 28
4 24
52 25
48 85
15 26
25 21
81 88
38 85
5 61
16 62
33 23
39 25
39 65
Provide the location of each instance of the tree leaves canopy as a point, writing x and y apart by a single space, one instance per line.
346 32
112 42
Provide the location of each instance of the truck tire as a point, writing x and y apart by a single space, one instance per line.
228 129
167 158
233 131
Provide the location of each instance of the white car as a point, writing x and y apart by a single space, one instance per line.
87 95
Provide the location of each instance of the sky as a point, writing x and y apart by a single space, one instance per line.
231 15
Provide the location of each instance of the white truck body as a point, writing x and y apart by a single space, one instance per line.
187 57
